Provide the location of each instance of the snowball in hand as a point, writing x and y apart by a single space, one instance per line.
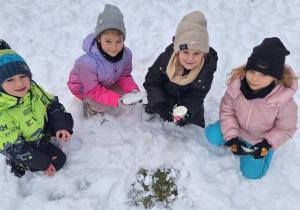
179 113
131 98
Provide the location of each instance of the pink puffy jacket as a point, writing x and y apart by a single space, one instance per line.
273 118
93 74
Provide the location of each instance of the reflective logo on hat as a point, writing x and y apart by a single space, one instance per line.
261 66
25 67
183 47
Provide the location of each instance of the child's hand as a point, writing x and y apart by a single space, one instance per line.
63 135
261 149
121 103
134 97
51 170
237 146
134 91
183 121
164 111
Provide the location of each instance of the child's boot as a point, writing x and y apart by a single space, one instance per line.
16 169
87 110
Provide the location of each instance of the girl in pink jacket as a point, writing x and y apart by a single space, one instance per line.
258 113
103 74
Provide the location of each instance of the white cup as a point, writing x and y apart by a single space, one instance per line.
179 113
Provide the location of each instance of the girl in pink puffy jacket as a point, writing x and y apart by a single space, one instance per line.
258 113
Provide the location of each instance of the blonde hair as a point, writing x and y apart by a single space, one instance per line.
236 73
240 72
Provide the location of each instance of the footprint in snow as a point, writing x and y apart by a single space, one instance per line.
57 195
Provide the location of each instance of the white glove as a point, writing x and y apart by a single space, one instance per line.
121 104
134 91
133 98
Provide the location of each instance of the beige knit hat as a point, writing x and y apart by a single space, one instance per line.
192 33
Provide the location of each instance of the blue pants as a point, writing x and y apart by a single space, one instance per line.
251 168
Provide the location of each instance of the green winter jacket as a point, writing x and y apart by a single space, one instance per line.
23 127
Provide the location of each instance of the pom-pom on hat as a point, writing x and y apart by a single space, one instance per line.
268 58
110 18
192 33
11 64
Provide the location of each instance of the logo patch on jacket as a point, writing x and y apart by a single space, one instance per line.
27 111
3 127
43 100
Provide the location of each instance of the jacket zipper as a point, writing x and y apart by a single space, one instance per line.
249 115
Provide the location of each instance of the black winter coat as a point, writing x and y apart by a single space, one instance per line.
160 89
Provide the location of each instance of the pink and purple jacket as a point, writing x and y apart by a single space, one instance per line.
92 74
273 118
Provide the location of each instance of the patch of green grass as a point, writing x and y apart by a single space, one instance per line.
154 187
162 187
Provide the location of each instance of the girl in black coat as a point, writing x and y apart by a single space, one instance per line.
183 74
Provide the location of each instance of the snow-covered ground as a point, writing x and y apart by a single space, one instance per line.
104 159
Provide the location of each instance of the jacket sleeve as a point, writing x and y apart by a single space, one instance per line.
17 149
58 118
126 81
104 96
228 120
155 80
127 84
285 125
93 89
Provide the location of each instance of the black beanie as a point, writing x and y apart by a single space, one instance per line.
268 58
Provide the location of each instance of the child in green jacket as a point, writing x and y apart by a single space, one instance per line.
29 116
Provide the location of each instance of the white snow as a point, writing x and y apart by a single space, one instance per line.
103 160
132 98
